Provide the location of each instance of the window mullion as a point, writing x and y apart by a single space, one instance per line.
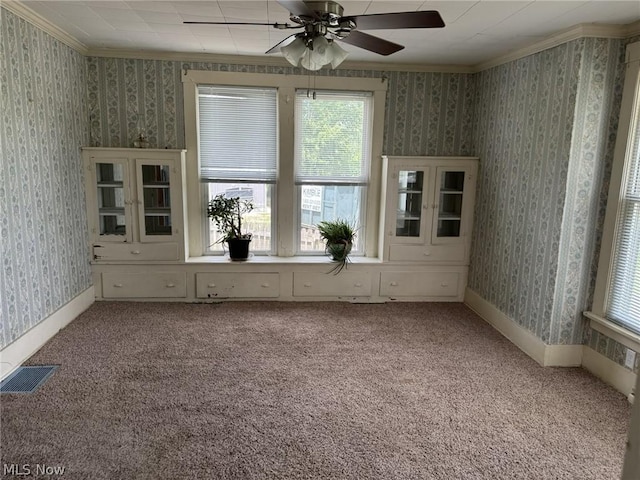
286 203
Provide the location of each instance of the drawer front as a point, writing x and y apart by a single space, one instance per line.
135 251
144 285
346 284
426 253
237 285
419 284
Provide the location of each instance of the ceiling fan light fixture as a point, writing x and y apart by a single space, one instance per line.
310 61
313 54
294 51
337 54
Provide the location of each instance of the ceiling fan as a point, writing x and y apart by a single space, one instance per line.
322 22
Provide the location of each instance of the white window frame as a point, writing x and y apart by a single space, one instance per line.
286 201
360 221
597 315
286 234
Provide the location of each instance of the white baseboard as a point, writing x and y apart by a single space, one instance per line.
545 355
563 355
609 371
14 354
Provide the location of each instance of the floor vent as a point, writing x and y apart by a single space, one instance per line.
27 379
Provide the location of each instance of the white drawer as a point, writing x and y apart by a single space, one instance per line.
345 284
419 284
144 285
426 253
135 251
237 285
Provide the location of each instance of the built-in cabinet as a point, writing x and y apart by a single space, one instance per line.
134 204
137 219
428 209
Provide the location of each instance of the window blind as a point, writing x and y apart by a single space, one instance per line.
237 134
333 137
624 290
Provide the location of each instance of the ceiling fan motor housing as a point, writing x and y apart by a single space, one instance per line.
328 19
328 14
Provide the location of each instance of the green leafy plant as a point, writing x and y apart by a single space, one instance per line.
338 236
226 213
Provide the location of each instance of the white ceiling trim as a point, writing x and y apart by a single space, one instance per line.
573 33
42 23
632 29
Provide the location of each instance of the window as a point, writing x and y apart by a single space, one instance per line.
237 145
301 159
616 308
623 305
332 158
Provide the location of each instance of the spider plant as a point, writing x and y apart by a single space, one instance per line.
338 236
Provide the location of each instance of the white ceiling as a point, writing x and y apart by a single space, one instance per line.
475 31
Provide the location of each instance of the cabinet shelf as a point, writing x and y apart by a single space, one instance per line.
157 212
109 184
410 191
449 217
448 191
156 185
110 211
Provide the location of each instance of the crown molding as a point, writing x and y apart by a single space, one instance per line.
24 12
632 29
578 31
269 61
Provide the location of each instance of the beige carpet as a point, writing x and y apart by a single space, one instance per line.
307 390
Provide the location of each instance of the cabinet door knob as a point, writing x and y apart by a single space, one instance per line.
117 285
357 284
171 285
426 254
265 285
307 285
211 285
135 252
444 284
394 284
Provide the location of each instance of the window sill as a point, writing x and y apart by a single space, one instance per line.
619 334
272 259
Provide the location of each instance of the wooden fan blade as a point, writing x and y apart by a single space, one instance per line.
299 8
426 19
371 43
281 44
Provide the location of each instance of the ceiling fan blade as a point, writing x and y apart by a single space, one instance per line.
233 23
283 43
298 7
426 19
371 43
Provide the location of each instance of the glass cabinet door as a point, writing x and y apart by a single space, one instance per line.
154 200
449 204
410 198
112 201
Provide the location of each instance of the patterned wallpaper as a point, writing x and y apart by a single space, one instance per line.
427 113
44 245
593 142
545 131
523 126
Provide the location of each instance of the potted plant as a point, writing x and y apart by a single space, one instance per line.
338 236
226 213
